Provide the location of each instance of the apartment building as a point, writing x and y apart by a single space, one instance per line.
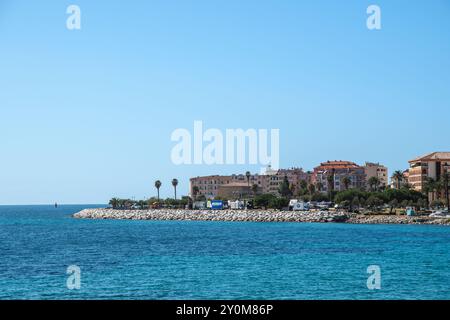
377 170
338 169
431 165
237 184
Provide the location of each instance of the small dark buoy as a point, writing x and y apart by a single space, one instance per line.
56 205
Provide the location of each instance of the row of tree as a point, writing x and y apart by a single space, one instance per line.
353 199
376 194
158 185
394 198
153 202
438 187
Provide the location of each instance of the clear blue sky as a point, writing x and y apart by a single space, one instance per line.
87 115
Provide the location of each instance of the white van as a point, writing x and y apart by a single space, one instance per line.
300 206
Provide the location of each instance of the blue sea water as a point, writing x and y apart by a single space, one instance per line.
215 260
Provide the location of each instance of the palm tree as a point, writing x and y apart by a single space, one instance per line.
435 188
374 183
114 202
247 174
141 204
319 186
398 177
254 189
303 184
311 189
122 203
445 181
195 191
284 188
439 186
174 184
157 186
330 182
429 188
346 181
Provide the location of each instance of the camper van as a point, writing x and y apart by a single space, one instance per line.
198 205
236 205
300 206
296 205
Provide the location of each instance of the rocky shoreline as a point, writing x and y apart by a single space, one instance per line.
255 216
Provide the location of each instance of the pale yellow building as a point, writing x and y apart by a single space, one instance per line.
376 170
431 165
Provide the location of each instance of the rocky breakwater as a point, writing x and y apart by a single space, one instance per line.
395 219
215 215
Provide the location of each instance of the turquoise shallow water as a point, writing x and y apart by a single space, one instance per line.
215 260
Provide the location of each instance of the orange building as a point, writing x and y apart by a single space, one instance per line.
338 169
237 184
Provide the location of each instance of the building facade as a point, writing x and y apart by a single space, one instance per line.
432 165
376 170
237 185
338 170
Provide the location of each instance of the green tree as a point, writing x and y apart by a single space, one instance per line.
152 201
195 191
122 203
374 202
114 202
422 203
345 204
254 189
319 186
263 200
278 203
303 184
404 203
141 204
392 205
349 195
346 181
398 178
437 204
330 182
311 189
319 197
355 203
185 200
373 183
284 188
445 185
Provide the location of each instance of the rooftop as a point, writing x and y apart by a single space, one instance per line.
434 156
337 164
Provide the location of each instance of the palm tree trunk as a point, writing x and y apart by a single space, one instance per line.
448 198
447 194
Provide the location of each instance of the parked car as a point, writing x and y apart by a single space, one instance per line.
440 214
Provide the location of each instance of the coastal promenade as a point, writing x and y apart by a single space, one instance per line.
255 216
